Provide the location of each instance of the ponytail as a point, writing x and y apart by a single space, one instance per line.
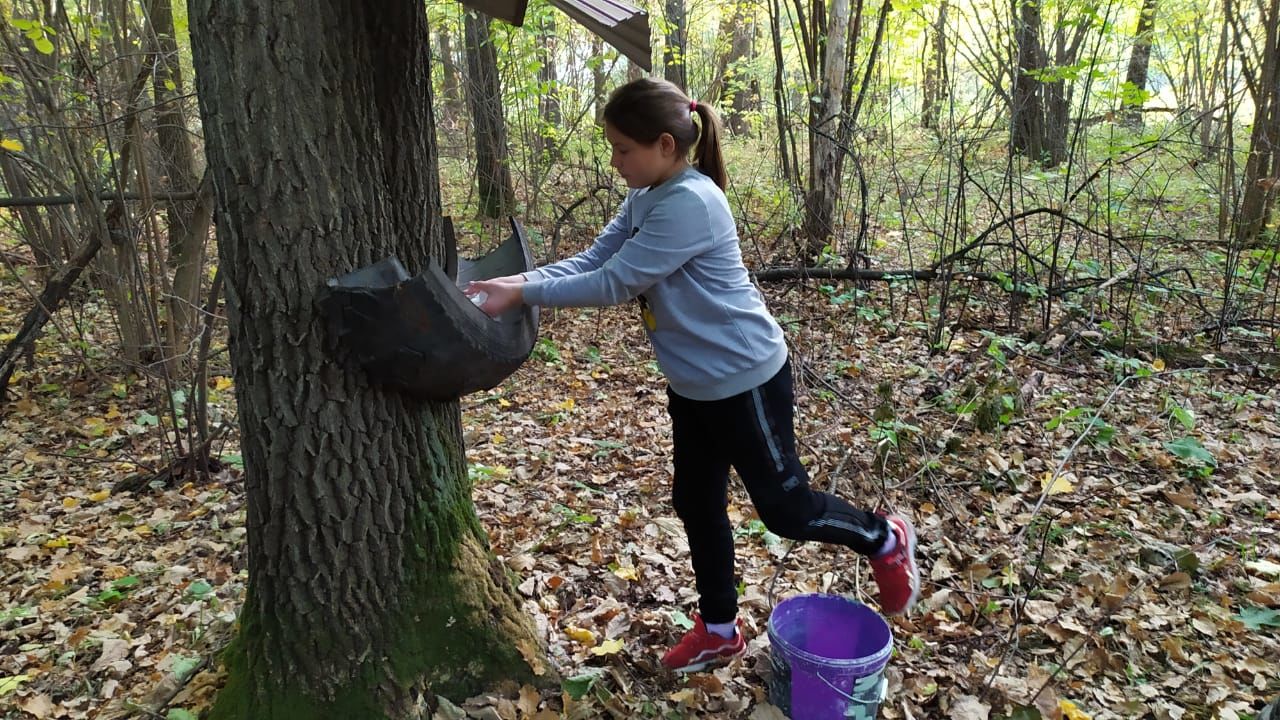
646 108
707 156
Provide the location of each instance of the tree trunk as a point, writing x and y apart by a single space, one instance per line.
824 149
731 88
1026 117
1262 165
187 222
548 89
674 67
788 160
369 582
484 94
937 83
450 83
1135 79
599 78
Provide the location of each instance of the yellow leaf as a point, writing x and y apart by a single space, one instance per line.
6 337
1055 485
582 635
687 696
1158 364
11 683
58 542
100 495
11 145
499 438
608 647
1071 712
221 382
504 403
566 405
113 412
626 573
70 502
143 530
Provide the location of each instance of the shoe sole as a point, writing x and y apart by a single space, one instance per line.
713 662
915 568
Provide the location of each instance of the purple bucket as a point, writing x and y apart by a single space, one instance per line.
828 655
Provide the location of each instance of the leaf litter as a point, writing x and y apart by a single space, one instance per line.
1100 548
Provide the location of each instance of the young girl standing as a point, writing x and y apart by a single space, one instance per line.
673 246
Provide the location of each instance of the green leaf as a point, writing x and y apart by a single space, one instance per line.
11 683
681 620
199 589
183 666
578 686
1188 448
180 714
1183 416
1255 618
43 44
125 582
1025 712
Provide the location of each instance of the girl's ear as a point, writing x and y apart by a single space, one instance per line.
667 144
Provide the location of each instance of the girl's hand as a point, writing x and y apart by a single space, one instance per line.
502 293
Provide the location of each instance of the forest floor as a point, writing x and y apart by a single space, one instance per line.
1099 533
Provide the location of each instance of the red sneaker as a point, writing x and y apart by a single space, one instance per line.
896 573
700 648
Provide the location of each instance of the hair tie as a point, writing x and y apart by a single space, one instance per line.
693 106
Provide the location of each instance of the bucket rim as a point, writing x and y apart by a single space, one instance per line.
874 662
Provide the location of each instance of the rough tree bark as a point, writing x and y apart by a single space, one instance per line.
735 92
1135 77
1262 165
450 82
549 94
599 78
937 81
674 67
824 149
484 95
187 221
370 586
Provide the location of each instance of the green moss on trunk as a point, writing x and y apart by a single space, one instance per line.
457 630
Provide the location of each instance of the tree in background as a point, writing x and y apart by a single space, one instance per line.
1135 77
1040 101
825 152
370 585
675 52
549 111
484 95
733 87
1261 179
935 81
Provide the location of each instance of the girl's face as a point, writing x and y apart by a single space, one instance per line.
643 165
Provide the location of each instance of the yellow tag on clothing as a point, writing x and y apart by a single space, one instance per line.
646 314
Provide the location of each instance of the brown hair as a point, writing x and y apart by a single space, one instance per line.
643 109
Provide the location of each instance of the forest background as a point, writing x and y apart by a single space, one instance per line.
1025 255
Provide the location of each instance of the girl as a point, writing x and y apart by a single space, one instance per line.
674 247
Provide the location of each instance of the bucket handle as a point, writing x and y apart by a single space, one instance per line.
861 685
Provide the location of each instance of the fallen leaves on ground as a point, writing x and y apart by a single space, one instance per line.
1101 552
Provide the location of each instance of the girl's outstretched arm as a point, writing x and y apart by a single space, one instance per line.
501 294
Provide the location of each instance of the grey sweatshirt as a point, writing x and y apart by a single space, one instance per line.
676 247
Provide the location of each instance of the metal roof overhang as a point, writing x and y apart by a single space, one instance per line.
620 24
